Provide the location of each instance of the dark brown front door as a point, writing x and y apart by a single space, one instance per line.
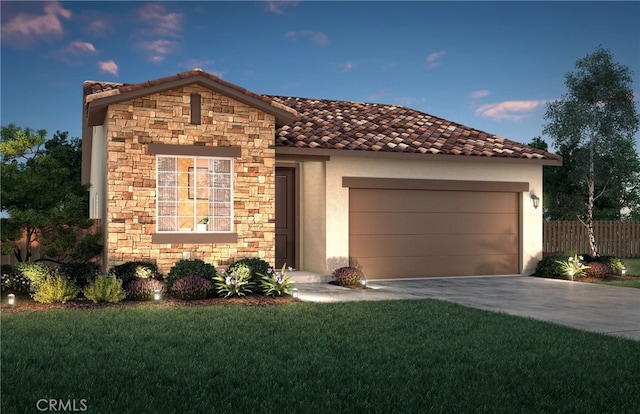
285 217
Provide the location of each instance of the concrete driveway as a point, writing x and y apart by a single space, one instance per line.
587 306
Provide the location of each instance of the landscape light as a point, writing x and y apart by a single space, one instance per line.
623 271
156 296
363 282
294 293
11 300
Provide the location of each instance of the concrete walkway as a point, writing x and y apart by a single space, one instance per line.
587 306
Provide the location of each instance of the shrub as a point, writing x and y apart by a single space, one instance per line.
615 264
143 289
36 272
348 276
56 288
105 288
12 282
234 282
550 266
257 267
597 269
81 274
190 267
130 271
276 282
573 266
192 287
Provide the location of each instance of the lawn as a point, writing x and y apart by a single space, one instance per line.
360 357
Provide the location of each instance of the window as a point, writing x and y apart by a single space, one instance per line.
194 194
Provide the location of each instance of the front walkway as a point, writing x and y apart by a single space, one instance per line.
587 306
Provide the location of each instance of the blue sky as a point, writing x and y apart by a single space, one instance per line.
488 65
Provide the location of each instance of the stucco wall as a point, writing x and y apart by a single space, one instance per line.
131 175
336 206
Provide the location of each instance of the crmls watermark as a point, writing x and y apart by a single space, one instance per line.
56 405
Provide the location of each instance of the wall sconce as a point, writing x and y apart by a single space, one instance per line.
535 200
11 300
363 282
156 296
294 293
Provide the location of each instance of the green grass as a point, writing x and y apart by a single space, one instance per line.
363 357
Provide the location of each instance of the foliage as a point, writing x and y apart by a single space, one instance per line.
573 266
190 267
593 128
130 271
105 288
81 274
256 265
36 272
276 282
234 282
43 196
13 282
348 276
597 269
143 289
192 287
615 264
56 288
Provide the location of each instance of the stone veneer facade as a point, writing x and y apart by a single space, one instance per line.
164 118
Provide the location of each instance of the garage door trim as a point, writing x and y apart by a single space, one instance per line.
424 184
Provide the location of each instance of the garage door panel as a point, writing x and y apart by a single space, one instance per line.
363 200
437 266
433 223
441 245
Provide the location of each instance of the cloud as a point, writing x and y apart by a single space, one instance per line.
26 28
109 66
509 110
158 49
347 66
318 38
279 7
161 22
79 47
433 60
479 94
204 64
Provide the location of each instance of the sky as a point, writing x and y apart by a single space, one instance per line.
492 66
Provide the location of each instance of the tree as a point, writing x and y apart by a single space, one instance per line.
593 127
42 195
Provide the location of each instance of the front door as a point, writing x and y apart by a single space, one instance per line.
285 217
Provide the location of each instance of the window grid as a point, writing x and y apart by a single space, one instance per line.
192 188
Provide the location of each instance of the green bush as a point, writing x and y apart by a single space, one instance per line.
348 276
36 272
143 289
549 266
81 274
130 271
235 282
276 282
105 288
192 287
256 266
12 282
190 267
615 264
56 288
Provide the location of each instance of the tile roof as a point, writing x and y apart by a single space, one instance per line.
356 126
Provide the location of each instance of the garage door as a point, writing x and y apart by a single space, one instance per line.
430 233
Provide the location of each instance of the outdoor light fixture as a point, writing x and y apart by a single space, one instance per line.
570 273
623 271
363 282
156 296
294 293
11 300
535 200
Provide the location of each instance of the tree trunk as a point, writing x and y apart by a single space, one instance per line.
589 222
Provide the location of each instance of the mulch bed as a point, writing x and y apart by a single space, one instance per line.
26 304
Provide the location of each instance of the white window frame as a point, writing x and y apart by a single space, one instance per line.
196 161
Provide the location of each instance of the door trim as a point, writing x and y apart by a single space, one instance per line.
294 167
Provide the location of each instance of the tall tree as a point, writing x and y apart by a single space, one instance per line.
593 127
42 196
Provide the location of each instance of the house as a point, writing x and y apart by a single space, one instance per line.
192 166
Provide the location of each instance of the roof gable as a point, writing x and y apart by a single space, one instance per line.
342 125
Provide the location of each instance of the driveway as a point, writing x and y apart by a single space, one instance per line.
591 307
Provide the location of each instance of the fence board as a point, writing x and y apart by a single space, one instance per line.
613 238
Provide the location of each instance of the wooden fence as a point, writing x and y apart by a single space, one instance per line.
37 250
613 238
